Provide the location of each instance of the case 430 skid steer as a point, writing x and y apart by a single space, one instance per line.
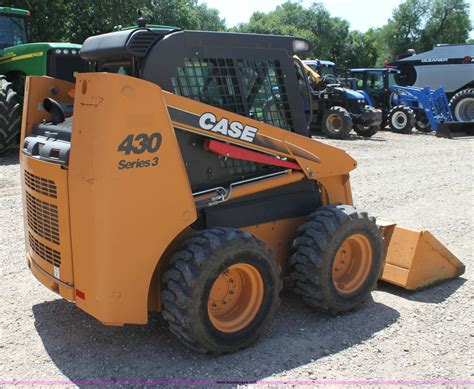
187 185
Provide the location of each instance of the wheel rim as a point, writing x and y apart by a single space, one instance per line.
352 264
334 123
464 110
399 120
423 123
235 298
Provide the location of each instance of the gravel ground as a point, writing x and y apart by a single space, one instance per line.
419 181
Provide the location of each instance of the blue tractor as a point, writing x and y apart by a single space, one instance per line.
336 110
404 107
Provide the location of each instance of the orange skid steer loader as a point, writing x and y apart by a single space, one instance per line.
189 187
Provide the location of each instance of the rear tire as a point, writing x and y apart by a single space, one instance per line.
336 259
10 116
462 105
401 119
221 290
337 123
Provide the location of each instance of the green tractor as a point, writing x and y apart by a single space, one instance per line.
18 59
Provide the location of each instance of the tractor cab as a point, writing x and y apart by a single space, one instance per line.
376 83
13 27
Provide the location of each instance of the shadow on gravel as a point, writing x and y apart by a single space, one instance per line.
84 349
352 137
9 158
433 295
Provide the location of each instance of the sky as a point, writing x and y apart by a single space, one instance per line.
361 14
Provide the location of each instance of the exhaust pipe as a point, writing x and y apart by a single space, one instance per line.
54 108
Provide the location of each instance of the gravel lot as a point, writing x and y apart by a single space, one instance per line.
418 181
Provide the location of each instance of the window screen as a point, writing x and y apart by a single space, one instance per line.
253 88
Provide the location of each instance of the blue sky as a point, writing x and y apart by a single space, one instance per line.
362 14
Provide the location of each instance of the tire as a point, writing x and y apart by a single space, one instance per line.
337 123
422 123
10 116
197 310
462 105
320 271
366 132
401 119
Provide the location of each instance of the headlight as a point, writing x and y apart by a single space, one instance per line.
66 51
58 51
73 51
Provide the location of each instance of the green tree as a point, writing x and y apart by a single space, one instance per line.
420 24
75 20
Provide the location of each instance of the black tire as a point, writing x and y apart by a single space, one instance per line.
462 105
314 254
337 123
10 116
422 123
366 132
189 280
401 119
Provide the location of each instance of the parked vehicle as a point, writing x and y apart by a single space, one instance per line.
447 66
337 109
20 58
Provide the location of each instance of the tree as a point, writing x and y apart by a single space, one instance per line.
420 24
75 20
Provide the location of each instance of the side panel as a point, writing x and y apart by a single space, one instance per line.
128 199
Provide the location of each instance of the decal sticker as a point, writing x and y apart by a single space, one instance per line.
236 130
57 273
138 144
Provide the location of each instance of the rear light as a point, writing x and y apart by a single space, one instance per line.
80 294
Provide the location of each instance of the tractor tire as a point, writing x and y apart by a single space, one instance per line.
366 132
337 123
422 123
336 258
462 105
10 116
221 290
401 119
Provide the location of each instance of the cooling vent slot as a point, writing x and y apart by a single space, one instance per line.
41 185
44 252
140 43
43 218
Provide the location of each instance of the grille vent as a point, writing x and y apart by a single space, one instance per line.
140 43
43 218
41 185
44 252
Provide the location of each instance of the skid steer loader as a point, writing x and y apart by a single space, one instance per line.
187 185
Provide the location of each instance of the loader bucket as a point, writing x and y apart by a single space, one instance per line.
416 259
455 129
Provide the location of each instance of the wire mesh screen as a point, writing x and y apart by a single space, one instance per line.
253 88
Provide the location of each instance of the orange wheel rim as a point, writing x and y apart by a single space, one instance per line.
235 298
352 264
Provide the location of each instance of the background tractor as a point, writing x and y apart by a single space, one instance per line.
338 109
18 59
405 107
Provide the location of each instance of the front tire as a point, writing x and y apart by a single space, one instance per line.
221 290
10 116
336 259
422 123
462 105
337 123
366 132
401 119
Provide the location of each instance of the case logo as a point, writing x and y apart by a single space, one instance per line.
236 130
